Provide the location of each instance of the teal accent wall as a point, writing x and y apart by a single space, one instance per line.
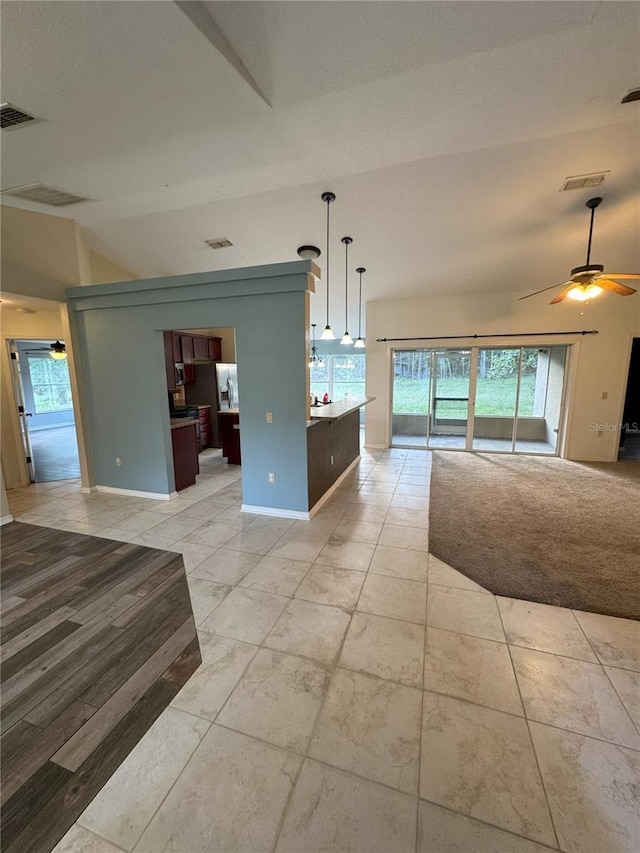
118 331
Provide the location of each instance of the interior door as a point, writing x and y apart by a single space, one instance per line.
23 414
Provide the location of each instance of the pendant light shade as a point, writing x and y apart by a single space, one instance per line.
327 334
359 344
347 340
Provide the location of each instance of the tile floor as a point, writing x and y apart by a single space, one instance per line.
356 693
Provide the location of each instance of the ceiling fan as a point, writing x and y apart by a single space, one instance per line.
589 280
57 350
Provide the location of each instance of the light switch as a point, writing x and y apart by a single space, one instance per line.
269 417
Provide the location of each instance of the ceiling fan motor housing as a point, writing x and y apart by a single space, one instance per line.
586 271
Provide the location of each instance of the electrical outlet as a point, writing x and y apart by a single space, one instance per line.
118 462
272 476
605 395
269 417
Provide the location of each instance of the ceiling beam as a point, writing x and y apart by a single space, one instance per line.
200 17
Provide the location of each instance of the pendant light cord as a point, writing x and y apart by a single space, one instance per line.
328 203
360 309
346 285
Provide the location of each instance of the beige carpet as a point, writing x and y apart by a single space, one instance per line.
546 530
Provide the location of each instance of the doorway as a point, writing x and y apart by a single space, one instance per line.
488 399
630 427
45 409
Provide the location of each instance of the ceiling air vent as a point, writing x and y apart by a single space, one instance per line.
45 195
221 243
632 95
579 182
11 116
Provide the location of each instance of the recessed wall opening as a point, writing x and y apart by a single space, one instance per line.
42 393
489 399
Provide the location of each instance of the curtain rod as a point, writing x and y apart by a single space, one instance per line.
496 335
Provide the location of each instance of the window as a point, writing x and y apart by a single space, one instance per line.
50 383
342 377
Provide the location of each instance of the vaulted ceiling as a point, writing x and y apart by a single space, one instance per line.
446 130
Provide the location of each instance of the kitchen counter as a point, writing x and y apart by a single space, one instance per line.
235 411
333 445
336 411
176 423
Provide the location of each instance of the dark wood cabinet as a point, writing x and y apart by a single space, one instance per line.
215 349
184 441
186 348
200 348
175 343
230 437
169 361
204 413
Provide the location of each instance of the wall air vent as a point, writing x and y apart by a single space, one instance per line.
43 194
580 182
631 96
221 243
11 116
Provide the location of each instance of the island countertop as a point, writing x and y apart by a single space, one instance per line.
176 423
335 411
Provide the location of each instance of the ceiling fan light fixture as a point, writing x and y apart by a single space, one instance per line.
58 351
584 292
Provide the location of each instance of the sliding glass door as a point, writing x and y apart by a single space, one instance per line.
449 399
431 398
497 387
488 399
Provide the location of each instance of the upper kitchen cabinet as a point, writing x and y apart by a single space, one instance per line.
186 348
215 349
199 348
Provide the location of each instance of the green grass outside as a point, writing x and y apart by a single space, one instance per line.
494 396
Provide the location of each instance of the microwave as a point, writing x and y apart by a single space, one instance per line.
179 373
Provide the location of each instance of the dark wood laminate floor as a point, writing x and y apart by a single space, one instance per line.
97 638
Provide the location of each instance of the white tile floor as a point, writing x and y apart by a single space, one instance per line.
356 693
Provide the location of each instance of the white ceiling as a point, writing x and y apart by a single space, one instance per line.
444 128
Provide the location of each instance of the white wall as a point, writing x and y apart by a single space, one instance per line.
599 363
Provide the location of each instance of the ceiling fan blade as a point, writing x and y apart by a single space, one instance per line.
621 274
620 289
563 293
544 290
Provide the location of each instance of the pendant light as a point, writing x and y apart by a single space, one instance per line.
347 340
315 360
359 344
327 334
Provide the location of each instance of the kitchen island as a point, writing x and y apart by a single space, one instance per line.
333 445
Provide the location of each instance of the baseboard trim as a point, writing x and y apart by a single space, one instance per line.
5 519
275 511
134 493
319 504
